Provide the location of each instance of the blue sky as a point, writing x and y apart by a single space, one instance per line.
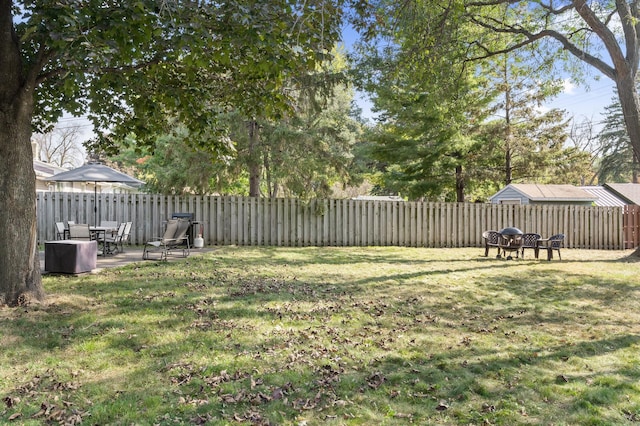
585 101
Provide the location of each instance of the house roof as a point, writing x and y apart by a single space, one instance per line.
606 198
539 192
627 191
378 198
46 169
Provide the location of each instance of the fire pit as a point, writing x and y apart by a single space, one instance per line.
510 241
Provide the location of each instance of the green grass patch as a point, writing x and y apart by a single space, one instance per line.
344 336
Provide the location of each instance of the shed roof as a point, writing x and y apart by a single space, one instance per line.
627 191
606 198
540 192
378 198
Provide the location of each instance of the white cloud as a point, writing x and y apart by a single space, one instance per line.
568 88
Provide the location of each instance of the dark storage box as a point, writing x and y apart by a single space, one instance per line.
70 256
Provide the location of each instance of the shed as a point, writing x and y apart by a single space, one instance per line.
524 193
378 198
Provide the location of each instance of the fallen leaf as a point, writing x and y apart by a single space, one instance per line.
442 406
488 408
403 416
277 393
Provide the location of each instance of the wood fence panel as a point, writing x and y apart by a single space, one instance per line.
291 222
631 226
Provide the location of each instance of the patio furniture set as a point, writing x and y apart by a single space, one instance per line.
77 245
512 241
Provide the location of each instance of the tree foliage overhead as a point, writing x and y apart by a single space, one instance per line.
134 64
303 153
429 102
300 154
137 67
601 36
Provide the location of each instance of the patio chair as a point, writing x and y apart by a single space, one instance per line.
112 243
491 239
175 238
530 241
80 231
555 242
60 232
109 224
125 235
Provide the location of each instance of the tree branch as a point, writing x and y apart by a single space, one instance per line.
605 34
530 38
628 18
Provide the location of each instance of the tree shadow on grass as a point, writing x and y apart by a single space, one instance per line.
347 349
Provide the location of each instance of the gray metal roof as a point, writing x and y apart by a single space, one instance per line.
606 198
539 192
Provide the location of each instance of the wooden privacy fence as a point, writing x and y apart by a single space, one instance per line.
631 226
328 222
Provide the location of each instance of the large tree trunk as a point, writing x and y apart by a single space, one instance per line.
459 184
20 278
19 261
254 160
630 104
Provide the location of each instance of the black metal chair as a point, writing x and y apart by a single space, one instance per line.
554 242
530 241
491 239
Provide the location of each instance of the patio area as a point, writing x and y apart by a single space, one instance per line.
130 255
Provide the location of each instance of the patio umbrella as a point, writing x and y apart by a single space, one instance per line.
96 173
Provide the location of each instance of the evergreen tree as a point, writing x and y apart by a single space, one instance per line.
617 160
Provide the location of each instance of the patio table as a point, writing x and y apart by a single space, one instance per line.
100 233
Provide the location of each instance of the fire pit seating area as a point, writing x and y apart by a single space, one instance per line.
174 239
511 240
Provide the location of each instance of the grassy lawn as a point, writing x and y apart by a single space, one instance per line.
332 336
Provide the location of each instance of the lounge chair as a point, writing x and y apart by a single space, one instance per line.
175 238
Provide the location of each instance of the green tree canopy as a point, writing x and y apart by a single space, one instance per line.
136 67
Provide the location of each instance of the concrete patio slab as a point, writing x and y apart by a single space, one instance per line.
130 255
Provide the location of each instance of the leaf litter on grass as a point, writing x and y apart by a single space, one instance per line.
320 337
